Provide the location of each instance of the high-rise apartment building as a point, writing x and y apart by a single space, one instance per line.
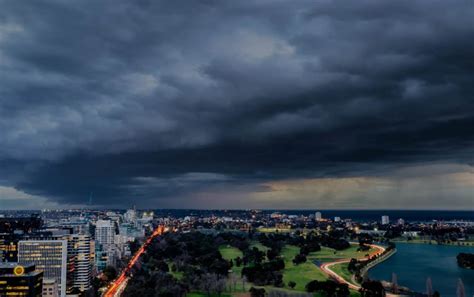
105 232
79 248
50 256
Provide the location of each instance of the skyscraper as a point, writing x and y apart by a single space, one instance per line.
385 220
50 256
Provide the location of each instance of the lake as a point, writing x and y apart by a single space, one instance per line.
414 263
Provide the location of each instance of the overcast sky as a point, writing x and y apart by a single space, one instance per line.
237 104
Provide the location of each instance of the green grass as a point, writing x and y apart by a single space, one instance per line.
343 271
328 254
230 253
259 246
301 274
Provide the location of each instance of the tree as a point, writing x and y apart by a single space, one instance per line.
110 273
291 284
329 288
208 282
465 260
238 261
219 286
352 267
300 258
254 292
244 280
372 289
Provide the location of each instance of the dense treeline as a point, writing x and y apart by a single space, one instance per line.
465 260
328 288
194 255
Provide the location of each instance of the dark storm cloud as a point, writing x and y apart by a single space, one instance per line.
157 98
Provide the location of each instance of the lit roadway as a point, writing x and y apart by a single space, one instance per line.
116 288
326 267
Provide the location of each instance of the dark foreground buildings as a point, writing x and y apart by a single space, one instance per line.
20 280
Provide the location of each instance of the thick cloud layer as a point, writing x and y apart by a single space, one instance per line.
160 99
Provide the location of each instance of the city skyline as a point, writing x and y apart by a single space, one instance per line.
237 105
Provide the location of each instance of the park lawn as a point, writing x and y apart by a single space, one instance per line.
327 254
343 271
301 274
230 253
259 246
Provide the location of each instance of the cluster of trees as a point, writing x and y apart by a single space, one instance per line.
307 245
268 273
108 275
465 260
260 292
155 283
372 288
194 255
328 288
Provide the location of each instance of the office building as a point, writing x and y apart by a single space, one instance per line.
20 280
50 256
8 248
385 220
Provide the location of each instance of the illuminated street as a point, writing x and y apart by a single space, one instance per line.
119 284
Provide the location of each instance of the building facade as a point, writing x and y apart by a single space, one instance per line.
50 256
105 232
50 288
